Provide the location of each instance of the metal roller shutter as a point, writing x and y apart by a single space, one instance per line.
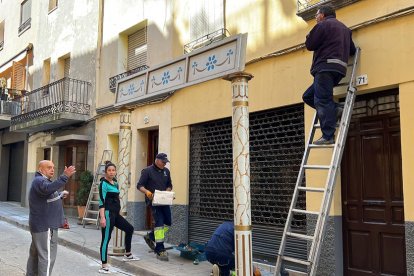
137 49
206 16
276 149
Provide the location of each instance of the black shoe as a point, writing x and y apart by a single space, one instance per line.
162 256
323 141
149 242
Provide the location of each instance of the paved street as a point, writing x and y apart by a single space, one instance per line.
14 252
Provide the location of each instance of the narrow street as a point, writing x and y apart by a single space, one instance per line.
14 252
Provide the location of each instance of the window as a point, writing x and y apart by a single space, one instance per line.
206 16
1 35
137 49
53 5
25 15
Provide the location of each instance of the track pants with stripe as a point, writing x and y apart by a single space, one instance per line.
42 254
115 220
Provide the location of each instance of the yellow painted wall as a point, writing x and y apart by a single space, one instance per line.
180 151
407 146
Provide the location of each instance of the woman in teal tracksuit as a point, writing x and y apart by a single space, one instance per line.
109 207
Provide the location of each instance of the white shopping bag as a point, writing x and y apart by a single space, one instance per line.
162 198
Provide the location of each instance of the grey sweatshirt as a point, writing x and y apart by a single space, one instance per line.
46 210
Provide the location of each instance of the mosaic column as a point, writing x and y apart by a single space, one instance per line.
241 173
123 169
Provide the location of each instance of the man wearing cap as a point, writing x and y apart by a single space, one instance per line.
157 177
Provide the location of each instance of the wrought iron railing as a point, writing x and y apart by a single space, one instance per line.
9 106
309 4
114 79
25 25
307 8
206 40
63 96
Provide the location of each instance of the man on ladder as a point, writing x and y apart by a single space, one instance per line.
332 44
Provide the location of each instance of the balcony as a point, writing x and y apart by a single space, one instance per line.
113 80
61 103
8 108
25 26
308 8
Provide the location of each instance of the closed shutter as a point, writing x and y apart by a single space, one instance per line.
66 69
137 49
206 16
276 149
18 76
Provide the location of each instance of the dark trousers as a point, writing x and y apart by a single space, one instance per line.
162 218
226 262
320 96
115 220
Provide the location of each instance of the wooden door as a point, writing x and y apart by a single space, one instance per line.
373 210
153 138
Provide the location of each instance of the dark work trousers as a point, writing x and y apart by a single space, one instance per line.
162 218
115 220
320 96
225 262
42 254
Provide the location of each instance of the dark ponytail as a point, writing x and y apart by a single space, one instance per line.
109 164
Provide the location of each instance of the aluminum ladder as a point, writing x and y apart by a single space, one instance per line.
309 266
91 215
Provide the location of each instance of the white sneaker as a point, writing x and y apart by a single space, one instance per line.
104 270
130 258
216 270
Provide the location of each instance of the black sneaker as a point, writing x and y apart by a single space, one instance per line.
149 242
323 141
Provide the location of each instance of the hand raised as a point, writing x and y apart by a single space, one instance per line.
69 171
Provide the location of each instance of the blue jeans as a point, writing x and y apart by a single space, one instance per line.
320 96
162 218
225 262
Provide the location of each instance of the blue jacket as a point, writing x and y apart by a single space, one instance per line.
332 44
222 240
45 204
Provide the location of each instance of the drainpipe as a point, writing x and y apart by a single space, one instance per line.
98 49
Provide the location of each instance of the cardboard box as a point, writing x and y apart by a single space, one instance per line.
162 198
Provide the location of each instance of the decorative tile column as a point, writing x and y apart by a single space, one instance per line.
123 170
241 173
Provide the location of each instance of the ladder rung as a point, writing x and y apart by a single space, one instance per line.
294 260
322 146
319 125
317 167
90 219
296 272
305 212
94 202
299 236
311 189
93 212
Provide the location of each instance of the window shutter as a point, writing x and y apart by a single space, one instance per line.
66 69
137 49
18 76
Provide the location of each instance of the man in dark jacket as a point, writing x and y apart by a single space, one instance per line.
45 217
157 177
220 251
332 44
